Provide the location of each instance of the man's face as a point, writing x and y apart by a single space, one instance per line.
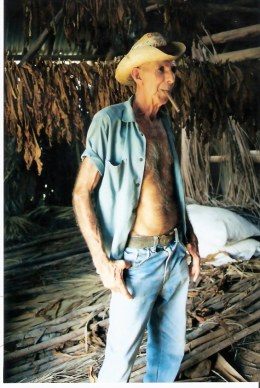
157 77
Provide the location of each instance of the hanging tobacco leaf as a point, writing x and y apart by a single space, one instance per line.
56 100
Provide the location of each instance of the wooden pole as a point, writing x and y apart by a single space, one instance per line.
227 36
42 38
255 156
236 56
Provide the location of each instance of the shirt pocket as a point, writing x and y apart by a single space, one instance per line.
113 174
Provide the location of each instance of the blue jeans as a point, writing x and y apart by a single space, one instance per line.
158 279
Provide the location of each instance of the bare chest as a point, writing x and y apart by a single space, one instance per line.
158 155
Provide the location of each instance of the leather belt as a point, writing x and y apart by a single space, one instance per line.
139 242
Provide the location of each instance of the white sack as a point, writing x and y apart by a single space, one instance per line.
220 229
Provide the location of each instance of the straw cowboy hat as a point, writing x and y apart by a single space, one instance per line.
151 47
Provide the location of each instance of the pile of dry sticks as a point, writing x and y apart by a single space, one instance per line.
56 316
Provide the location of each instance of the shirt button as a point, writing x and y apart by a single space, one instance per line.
137 184
141 159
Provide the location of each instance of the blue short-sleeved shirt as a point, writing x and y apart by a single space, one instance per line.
117 148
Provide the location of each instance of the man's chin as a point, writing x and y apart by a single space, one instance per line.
163 98
163 95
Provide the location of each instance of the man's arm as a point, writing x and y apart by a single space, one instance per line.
110 271
193 248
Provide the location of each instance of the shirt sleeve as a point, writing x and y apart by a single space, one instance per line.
96 142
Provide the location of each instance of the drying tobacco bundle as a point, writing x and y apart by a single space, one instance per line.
117 17
57 100
210 94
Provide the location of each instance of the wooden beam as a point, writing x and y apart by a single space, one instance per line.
236 56
226 36
42 38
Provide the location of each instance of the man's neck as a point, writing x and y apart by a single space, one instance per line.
145 108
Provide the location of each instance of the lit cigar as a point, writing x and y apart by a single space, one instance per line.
172 101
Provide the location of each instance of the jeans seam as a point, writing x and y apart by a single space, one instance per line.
159 363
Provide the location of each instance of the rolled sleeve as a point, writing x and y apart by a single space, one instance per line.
96 142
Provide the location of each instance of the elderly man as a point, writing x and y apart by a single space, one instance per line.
137 230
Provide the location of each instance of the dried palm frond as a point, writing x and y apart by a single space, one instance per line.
20 228
57 100
195 167
238 179
41 219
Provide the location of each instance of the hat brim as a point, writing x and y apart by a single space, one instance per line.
141 55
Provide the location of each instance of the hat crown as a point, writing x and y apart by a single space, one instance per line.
153 39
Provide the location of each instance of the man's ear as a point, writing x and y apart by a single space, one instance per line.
136 74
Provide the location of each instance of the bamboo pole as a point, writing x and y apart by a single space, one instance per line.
202 329
55 325
227 36
231 300
211 323
231 327
52 343
242 304
27 371
200 356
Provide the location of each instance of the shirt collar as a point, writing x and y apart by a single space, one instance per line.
128 113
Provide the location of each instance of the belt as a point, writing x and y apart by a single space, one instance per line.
139 242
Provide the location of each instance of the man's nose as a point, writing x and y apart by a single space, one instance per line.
170 77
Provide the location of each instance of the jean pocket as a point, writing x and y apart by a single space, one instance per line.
136 256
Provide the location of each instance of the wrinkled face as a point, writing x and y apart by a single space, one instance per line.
157 77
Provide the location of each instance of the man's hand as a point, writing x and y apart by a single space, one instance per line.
194 266
111 274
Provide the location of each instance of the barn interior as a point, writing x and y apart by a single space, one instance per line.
59 63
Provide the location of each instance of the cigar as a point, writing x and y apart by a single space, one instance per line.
172 101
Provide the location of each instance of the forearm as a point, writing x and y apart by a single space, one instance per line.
193 248
110 271
88 224
191 236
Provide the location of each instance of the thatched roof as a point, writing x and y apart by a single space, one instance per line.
88 29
